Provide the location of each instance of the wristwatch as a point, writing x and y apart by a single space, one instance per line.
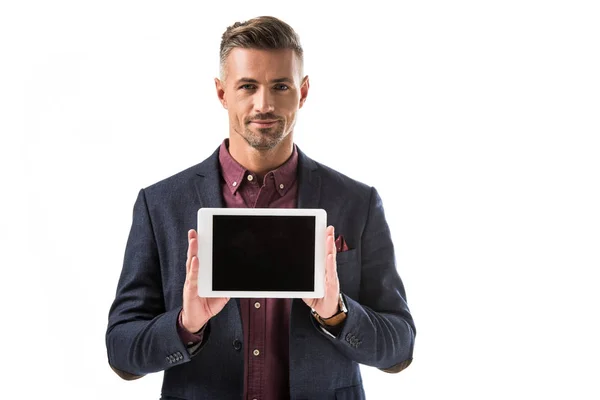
334 319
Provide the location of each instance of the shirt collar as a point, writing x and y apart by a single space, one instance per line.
234 173
231 170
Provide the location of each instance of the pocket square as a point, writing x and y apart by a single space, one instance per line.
340 244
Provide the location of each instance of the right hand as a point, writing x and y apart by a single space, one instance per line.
196 310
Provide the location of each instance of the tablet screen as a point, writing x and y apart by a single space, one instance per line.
263 253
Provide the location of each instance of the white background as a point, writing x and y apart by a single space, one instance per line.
477 121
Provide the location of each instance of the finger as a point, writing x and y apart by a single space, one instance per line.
331 234
192 251
334 277
191 235
330 246
188 257
328 237
331 276
334 252
192 277
329 272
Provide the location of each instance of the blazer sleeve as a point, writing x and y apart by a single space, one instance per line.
142 336
379 330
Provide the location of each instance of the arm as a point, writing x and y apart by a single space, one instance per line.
378 329
142 336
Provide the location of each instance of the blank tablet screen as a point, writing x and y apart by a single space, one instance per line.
263 253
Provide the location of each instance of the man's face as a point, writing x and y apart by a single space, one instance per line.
262 92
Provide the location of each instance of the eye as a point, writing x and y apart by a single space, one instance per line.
281 87
247 86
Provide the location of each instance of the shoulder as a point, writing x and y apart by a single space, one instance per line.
181 182
334 181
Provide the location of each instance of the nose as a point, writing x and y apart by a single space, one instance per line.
263 101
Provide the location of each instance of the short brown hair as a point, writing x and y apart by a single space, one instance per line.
264 33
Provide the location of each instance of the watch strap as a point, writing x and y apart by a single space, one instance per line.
335 319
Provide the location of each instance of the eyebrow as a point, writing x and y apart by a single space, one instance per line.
278 80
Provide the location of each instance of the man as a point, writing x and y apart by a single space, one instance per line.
259 348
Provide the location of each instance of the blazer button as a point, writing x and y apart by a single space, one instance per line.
237 345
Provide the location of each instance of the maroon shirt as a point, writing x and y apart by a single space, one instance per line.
265 321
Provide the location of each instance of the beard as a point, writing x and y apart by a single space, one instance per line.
264 138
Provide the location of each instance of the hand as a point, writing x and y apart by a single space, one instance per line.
328 306
196 310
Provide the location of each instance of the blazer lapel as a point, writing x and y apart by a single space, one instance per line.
309 182
208 185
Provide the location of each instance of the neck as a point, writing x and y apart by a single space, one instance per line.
260 161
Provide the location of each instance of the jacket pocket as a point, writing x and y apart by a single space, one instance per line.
345 256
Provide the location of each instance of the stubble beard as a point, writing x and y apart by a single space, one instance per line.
264 138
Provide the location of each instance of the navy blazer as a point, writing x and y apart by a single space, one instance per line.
142 327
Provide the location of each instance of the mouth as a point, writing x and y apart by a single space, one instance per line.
264 123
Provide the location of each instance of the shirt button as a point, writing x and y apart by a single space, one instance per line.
250 177
281 186
234 184
256 352
257 305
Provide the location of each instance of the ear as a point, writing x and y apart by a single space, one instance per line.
221 92
304 90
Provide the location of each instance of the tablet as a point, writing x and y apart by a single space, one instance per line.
261 252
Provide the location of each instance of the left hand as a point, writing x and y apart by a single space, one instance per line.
328 305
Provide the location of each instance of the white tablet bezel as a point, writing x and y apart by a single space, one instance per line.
205 244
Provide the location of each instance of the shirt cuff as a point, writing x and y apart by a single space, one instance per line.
188 338
332 331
